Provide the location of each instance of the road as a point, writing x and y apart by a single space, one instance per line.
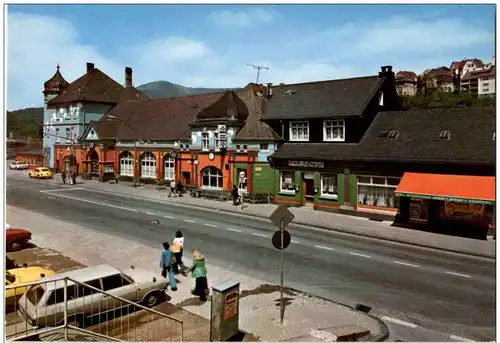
422 294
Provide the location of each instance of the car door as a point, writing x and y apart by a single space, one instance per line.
120 286
90 301
54 309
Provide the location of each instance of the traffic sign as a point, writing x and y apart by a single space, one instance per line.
281 213
287 238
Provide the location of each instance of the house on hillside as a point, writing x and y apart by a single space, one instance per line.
479 83
406 83
439 80
460 68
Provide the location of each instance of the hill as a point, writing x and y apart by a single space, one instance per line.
165 89
25 123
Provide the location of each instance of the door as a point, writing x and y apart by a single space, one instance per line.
308 179
186 178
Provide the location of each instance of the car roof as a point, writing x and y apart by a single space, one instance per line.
81 275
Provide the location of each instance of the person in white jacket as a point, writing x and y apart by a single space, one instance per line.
179 240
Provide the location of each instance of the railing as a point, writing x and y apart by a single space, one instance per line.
70 310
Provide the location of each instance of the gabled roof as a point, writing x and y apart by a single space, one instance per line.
417 139
255 129
323 99
479 73
94 86
228 107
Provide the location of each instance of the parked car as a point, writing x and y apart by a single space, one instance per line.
16 239
10 263
18 165
41 173
20 276
43 304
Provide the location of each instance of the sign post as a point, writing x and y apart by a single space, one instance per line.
240 186
282 305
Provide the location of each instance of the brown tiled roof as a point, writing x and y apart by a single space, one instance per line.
406 75
255 129
229 106
479 73
94 86
323 99
55 84
418 139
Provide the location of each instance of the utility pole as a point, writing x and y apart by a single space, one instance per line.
258 67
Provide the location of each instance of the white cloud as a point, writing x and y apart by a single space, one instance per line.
248 17
172 50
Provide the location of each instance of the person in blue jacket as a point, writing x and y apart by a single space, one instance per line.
166 266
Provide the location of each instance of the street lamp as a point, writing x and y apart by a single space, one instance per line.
111 118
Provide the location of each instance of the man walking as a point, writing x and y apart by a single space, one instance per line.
166 266
172 189
63 175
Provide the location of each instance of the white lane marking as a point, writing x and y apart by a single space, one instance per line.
458 338
406 264
94 202
188 221
211 225
297 242
259 234
322 247
458 274
169 217
62 189
400 322
356 254
235 230
150 213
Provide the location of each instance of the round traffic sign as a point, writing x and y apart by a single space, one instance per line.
277 240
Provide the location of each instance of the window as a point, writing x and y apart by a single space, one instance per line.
211 177
217 140
169 173
445 134
329 186
113 281
127 164
377 191
299 131
264 146
57 296
237 147
68 133
334 130
245 147
84 291
57 135
35 293
287 182
148 165
205 142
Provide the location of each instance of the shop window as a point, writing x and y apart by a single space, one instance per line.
377 191
109 168
127 164
148 165
287 182
299 131
329 186
205 141
334 130
211 177
169 173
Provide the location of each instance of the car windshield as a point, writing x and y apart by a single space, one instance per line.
35 293
44 169
9 278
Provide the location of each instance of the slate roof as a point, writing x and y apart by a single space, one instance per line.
55 84
255 129
94 86
228 107
323 99
418 140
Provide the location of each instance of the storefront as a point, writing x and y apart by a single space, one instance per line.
454 204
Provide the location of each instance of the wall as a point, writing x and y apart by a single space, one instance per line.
264 180
486 85
48 141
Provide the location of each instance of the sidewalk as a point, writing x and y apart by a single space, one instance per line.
309 217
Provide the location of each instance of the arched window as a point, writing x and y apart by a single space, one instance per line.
148 165
126 164
169 173
211 177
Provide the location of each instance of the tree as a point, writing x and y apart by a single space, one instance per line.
446 100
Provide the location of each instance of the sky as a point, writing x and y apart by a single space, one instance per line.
211 45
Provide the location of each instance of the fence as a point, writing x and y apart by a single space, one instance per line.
68 309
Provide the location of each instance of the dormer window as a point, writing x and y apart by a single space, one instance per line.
264 146
334 130
445 134
393 134
299 131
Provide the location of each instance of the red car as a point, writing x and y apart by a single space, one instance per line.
16 239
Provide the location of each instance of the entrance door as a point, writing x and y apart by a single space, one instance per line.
186 178
309 186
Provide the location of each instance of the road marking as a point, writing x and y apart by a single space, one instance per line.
150 213
458 338
406 264
323 335
211 225
62 190
259 234
297 242
322 247
235 230
93 202
169 217
356 254
400 322
458 274
188 221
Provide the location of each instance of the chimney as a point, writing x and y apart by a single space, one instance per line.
90 67
386 72
269 90
128 77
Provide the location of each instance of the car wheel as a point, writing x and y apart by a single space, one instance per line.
38 177
152 299
15 246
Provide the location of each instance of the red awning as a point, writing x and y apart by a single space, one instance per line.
458 188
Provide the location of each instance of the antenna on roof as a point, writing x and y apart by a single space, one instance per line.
258 67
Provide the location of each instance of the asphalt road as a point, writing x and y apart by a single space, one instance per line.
441 293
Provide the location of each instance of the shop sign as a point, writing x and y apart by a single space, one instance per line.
258 168
441 198
230 305
463 210
306 164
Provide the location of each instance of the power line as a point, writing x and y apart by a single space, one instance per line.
258 67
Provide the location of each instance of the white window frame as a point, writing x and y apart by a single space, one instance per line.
287 190
371 184
148 165
207 171
296 125
169 168
216 141
333 125
127 164
334 177
205 141
264 146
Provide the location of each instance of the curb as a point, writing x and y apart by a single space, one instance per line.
394 240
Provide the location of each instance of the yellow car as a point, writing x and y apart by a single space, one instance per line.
41 173
20 276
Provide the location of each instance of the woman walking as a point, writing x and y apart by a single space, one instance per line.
199 273
179 242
